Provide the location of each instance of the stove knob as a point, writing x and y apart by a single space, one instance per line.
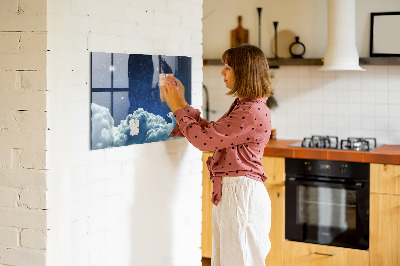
308 166
343 168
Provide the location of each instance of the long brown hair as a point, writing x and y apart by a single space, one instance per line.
250 66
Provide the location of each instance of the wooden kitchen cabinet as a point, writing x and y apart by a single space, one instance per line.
274 168
277 233
385 215
384 236
305 254
206 225
385 178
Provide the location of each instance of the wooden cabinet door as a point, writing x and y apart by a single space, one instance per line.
274 168
384 237
304 254
277 233
206 226
385 178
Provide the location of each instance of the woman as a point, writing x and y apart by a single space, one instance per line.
242 208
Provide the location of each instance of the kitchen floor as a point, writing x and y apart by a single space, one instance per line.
206 261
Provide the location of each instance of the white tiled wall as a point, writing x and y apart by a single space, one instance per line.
313 102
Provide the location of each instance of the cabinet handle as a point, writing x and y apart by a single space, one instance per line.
324 254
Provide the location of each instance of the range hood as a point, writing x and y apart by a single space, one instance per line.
341 51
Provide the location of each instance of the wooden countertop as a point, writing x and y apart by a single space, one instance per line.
389 154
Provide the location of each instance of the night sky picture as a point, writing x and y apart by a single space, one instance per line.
126 105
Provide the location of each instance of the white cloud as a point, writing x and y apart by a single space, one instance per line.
102 126
152 128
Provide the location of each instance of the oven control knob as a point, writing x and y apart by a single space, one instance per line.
343 168
308 166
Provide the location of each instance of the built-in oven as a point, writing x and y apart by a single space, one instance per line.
327 202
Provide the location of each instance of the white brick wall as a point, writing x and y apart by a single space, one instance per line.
135 205
23 132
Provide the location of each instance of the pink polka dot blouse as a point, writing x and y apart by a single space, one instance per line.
238 139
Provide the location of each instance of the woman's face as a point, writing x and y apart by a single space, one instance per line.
229 76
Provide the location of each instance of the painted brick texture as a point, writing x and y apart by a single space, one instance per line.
23 132
135 205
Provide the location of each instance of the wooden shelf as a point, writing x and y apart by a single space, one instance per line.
380 61
273 63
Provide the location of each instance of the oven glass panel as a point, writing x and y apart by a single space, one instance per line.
326 207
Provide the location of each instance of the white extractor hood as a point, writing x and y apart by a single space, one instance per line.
341 51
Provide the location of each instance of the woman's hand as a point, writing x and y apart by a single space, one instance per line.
173 94
181 91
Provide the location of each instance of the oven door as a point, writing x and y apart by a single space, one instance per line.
327 213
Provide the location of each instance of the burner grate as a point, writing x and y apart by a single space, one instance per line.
327 142
358 144
332 142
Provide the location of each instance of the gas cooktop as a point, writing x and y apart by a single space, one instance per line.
332 142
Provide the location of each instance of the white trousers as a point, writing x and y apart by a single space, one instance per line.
241 223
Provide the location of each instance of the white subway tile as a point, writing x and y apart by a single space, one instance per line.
367 123
380 84
355 96
382 123
367 133
329 93
394 83
368 110
367 96
291 71
342 109
394 137
329 109
355 132
381 97
329 123
381 110
354 80
328 74
355 122
380 71
394 123
367 82
342 122
382 136
394 110
394 97
342 80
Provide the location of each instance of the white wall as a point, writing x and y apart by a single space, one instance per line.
23 133
311 102
135 205
306 19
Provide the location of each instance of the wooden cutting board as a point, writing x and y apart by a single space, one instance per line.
239 35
